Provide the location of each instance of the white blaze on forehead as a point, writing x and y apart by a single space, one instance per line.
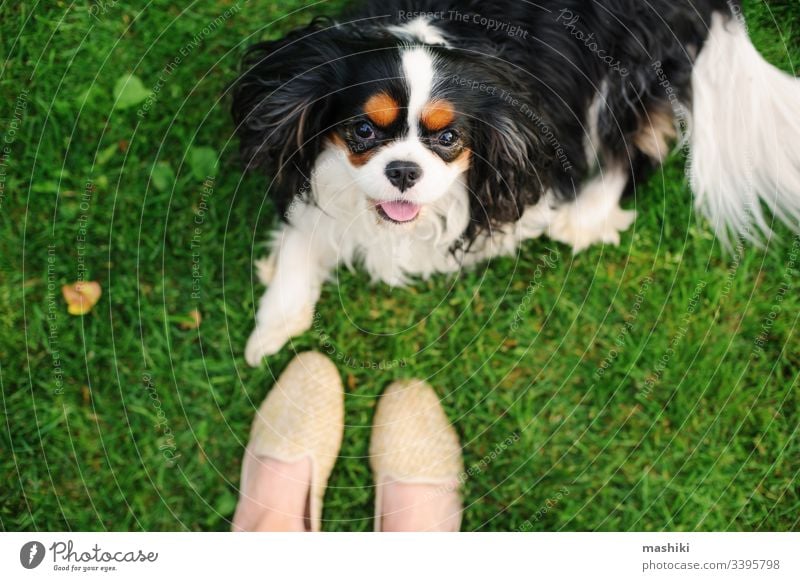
420 29
418 70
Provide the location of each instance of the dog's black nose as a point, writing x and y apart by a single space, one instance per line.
403 174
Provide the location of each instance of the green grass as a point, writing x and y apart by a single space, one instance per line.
709 442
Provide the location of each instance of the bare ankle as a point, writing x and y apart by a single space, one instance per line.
420 507
277 496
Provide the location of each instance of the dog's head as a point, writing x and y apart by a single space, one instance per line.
409 119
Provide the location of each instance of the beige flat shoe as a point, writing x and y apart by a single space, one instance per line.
302 417
413 442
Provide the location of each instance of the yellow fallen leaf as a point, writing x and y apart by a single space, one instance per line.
81 296
194 318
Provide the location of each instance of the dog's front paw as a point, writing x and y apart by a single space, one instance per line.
267 339
581 230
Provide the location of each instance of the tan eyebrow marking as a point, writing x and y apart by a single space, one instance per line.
437 115
382 109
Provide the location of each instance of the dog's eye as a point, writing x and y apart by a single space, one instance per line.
364 131
448 138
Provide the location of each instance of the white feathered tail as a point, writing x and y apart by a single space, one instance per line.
745 139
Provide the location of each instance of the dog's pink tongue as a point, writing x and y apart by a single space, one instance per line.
400 211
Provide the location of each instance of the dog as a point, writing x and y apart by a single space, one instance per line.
415 138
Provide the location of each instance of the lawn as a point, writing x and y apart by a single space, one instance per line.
650 387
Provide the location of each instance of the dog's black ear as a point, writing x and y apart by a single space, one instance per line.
511 159
282 103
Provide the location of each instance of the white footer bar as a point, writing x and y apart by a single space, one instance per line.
415 557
